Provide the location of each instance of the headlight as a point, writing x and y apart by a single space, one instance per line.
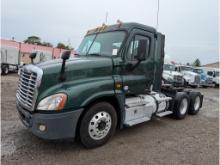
53 102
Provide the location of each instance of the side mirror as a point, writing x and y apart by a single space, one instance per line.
32 56
142 50
66 55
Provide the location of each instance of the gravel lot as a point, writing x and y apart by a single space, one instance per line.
194 140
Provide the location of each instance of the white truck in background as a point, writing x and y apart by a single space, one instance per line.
170 75
205 79
10 59
214 73
41 56
191 78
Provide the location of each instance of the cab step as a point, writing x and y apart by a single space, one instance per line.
165 113
136 121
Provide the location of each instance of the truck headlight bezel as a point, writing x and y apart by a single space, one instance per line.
54 102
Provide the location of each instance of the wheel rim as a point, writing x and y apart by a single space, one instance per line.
100 125
197 103
6 70
183 106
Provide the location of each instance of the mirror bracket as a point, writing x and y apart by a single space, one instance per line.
65 56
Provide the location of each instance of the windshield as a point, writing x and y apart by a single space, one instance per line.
184 68
169 67
216 73
198 71
103 44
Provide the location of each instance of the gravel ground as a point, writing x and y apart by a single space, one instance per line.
194 140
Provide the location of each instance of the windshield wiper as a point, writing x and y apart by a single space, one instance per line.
94 54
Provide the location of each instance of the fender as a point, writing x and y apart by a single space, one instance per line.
82 92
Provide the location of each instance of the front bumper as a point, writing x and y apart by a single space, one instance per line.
58 126
206 83
193 84
177 83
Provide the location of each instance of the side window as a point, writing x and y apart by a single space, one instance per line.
210 73
134 45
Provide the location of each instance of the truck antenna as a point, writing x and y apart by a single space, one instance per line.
158 9
106 17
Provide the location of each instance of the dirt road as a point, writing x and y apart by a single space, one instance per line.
165 141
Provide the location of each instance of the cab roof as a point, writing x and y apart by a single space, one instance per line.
121 26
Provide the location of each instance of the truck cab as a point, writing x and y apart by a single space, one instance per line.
214 73
190 77
10 59
170 75
114 81
205 79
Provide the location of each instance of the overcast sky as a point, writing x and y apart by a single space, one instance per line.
190 26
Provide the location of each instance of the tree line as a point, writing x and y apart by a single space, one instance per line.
37 41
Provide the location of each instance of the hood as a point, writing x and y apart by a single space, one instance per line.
76 68
172 73
190 73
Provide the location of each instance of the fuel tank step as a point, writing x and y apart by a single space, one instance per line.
165 113
136 121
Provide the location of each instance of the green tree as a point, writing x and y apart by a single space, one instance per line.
197 62
33 40
62 46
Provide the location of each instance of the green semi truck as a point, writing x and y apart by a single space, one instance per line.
113 82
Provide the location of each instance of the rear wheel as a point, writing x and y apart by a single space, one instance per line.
195 102
5 70
185 84
181 105
98 125
216 85
194 86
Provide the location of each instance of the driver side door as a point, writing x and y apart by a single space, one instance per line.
138 76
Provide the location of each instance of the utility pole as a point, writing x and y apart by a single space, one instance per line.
158 9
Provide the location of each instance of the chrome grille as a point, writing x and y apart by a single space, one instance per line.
197 79
27 86
209 80
178 77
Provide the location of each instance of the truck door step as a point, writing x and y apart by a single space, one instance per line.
165 113
136 121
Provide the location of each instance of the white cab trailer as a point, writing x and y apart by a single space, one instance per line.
10 59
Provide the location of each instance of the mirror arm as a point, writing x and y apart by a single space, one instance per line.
132 67
62 72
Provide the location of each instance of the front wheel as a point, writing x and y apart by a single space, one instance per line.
5 70
98 125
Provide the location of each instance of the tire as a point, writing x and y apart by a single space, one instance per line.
195 103
216 85
204 86
194 86
5 70
181 105
185 84
98 125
